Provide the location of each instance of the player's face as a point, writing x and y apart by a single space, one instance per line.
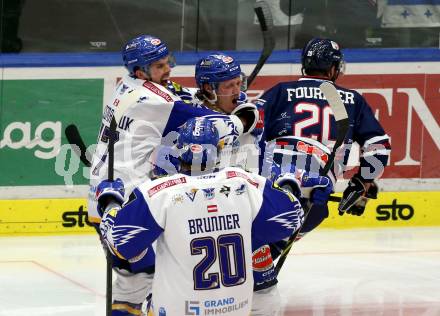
160 71
228 93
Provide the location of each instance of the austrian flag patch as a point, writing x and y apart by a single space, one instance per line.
212 208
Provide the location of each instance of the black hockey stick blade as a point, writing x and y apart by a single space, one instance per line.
334 198
342 124
74 138
265 19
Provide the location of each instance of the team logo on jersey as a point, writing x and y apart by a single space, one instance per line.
240 190
142 99
225 190
209 193
122 234
283 116
155 41
177 198
289 220
192 195
262 259
123 89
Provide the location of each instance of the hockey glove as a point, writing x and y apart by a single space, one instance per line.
356 196
304 184
248 113
109 192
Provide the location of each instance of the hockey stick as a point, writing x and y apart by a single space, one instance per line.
342 123
74 138
110 175
265 19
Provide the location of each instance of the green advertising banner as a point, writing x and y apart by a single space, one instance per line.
33 116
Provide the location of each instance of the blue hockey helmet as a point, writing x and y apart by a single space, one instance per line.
216 68
320 55
142 51
197 143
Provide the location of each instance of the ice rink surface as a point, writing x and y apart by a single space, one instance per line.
330 272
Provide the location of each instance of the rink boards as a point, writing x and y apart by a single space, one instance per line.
55 216
40 175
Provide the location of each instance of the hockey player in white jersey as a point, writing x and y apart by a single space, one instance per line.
154 107
207 225
220 82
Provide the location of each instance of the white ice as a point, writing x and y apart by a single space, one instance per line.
330 272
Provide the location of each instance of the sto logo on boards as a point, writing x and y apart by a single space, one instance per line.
394 211
75 218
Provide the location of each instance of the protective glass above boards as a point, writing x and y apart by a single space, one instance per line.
196 25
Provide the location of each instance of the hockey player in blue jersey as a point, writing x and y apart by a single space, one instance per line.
298 109
207 225
220 83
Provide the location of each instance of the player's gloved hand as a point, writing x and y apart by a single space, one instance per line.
356 196
109 192
305 184
248 113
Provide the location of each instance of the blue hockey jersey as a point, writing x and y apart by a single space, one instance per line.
299 108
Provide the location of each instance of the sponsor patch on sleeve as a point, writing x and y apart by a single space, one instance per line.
157 91
164 185
235 174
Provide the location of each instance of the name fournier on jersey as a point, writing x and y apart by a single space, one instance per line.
316 93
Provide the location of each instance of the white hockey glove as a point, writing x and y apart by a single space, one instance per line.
248 113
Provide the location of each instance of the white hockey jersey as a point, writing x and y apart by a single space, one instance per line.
152 113
206 228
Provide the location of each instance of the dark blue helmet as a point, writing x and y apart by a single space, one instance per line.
320 55
142 51
216 68
197 143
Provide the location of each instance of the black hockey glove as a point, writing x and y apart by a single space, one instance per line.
356 196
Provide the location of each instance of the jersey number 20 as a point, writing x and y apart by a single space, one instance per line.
229 250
